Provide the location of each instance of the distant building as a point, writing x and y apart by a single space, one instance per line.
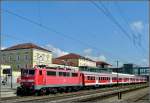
25 55
132 69
77 60
129 68
144 71
63 62
102 64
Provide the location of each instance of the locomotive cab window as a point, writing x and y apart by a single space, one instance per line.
51 73
27 72
31 72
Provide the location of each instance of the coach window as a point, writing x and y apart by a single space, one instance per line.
74 74
40 72
88 78
60 73
64 74
67 74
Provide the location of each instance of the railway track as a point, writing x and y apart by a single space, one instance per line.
113 95
142 98
71 96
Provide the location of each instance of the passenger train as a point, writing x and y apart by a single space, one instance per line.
44 80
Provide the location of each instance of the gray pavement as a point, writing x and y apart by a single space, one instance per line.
7 91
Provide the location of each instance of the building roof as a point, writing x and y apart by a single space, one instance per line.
25 46
102 63
74 56
61 62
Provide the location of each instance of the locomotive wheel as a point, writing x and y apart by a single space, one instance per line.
53 90
18 93
37 93
69 89
43 91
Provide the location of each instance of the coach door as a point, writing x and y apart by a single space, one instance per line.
96 79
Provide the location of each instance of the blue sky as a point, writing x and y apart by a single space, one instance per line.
79 27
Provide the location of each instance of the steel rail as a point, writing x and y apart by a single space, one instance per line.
68 95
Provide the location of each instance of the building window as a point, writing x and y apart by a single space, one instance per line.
18 66
18 57
26 57
4 58
26 66
37 55
10 58
47 57
26 52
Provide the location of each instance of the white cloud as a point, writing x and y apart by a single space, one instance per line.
2 48
56 51
88 53
137 26
144 62
99 58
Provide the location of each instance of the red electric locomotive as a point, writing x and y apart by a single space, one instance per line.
41 80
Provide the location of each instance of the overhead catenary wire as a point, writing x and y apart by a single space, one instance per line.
132 33
57 32
136 36
107 13
110 16
120 11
